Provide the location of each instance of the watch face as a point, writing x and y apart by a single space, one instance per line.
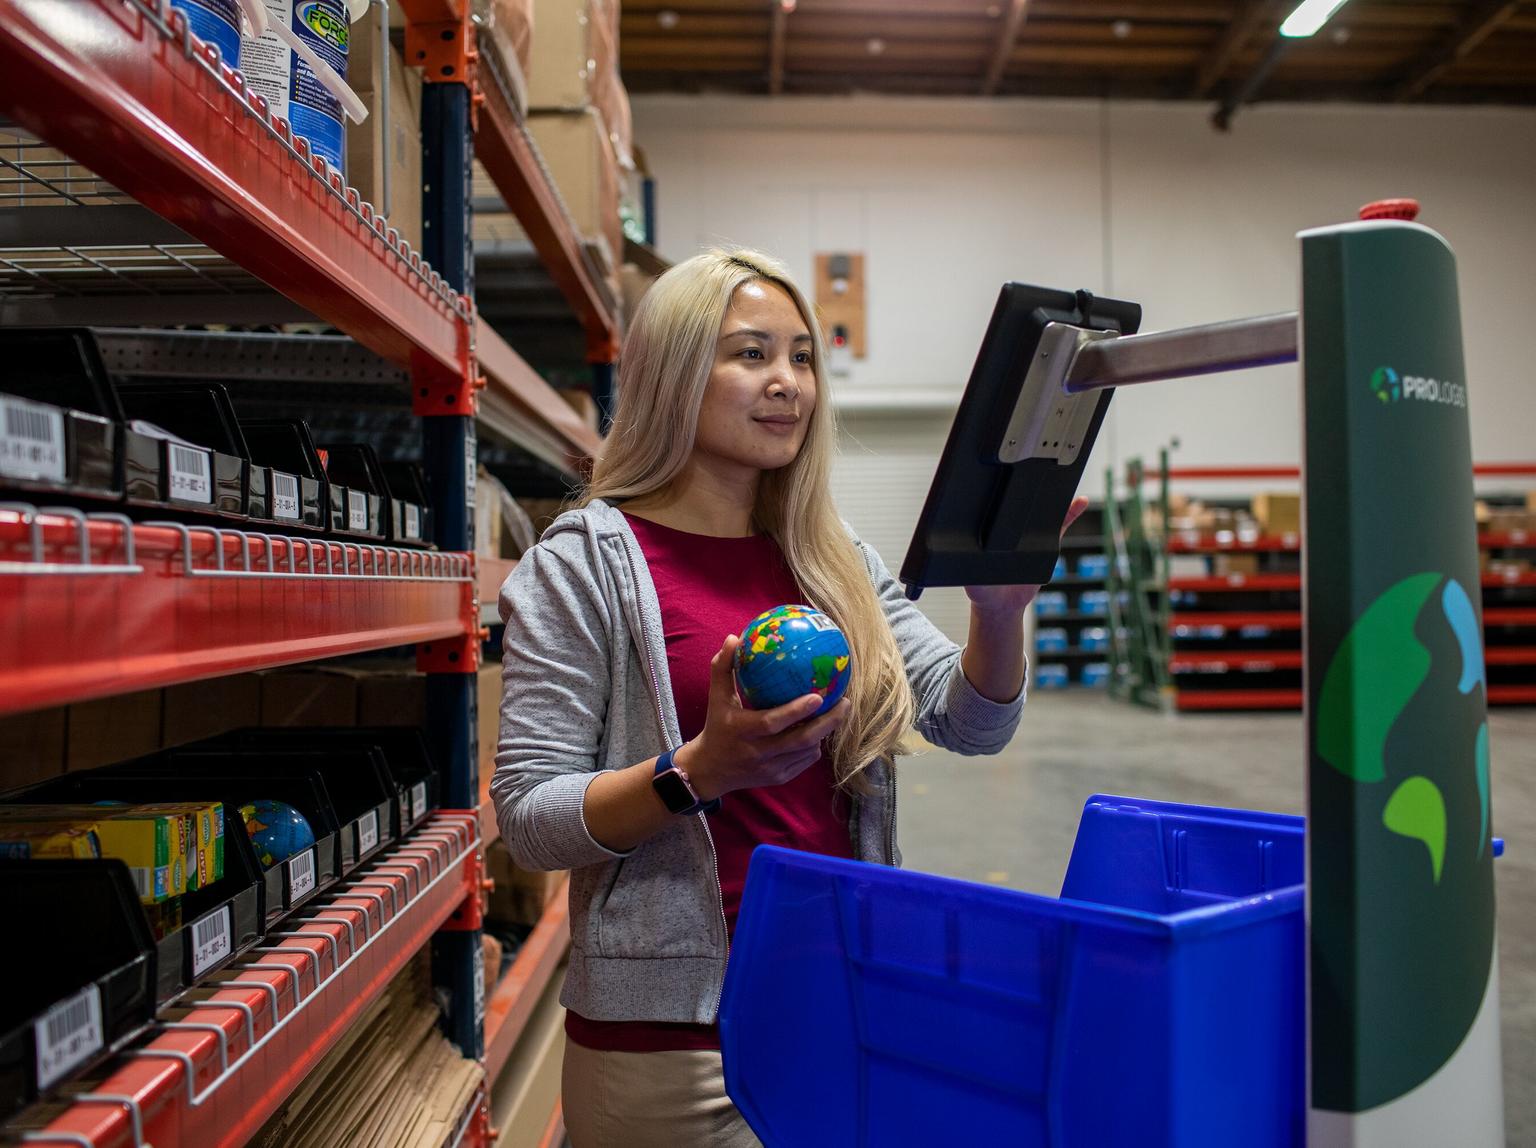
674 791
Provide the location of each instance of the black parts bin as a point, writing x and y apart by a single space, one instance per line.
82 986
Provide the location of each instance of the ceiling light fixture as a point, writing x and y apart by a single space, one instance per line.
1309 16
876 46
667 19
1122 29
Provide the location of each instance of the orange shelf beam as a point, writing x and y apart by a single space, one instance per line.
190 603
1273 619
507 374
1509 616
515 996
1250 660
1198 700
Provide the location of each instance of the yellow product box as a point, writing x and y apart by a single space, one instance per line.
152 845
204 847
20 840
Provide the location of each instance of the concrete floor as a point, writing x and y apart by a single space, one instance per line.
1010 820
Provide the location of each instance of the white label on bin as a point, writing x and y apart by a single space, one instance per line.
367 832
418 801
285 496
67 1036
190 471
357 510
301 874
479 984
212 940
31 439
412 521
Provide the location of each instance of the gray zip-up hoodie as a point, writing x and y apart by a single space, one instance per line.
585 688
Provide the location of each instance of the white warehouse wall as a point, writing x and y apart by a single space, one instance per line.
948 198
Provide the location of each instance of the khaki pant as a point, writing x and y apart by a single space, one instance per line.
649 1100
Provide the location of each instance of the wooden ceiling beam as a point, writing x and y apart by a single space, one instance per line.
1013 21
1475 27
776 47
1249 18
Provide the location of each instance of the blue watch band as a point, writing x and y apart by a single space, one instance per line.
664 764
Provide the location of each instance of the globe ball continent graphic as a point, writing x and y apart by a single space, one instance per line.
788 652
276 829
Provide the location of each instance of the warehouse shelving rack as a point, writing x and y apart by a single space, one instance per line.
1084 537
1151 629
201 166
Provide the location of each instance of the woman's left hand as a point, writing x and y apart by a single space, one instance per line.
1006 600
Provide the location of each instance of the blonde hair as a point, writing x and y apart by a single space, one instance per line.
663 372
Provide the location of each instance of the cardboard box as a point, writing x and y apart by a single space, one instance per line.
32 747
506 30
305 697
391 698
488 727
1228 565
574 49
520 896
1278 513
206 709
118 728
71 180
581 162
365 141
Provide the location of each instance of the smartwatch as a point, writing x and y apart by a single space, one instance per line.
676 791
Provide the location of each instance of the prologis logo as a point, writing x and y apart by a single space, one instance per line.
1388 387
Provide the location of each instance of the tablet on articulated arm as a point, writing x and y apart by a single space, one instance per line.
1018 446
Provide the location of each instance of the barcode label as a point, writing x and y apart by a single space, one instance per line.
212 940
418 801
190 469
31 440
479 984
413 521
357 510
821 621
367 832
67 1035
301 874
285 496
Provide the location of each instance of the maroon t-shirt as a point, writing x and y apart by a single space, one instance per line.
710 587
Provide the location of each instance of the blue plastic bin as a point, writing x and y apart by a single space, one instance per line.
1050 639
1093 566
1049 676
1096 674
1158 1002
1049 603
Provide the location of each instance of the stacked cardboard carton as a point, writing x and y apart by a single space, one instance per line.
579 120
394 140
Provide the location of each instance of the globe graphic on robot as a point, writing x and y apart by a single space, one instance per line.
788 652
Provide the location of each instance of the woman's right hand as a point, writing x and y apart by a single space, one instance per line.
747 749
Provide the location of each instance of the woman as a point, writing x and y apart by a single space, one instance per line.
624 754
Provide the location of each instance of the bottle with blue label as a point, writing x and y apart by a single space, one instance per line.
292 90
